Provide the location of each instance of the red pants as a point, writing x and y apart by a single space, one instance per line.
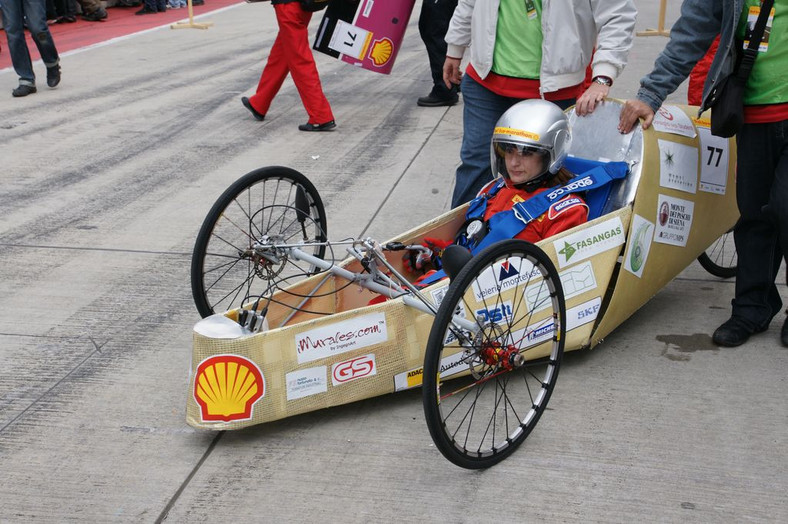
291 54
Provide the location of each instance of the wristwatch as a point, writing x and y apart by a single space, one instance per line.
603 80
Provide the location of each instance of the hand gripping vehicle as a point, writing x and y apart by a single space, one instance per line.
287 330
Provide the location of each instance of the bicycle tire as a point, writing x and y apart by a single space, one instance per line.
721 259
469 391
225 272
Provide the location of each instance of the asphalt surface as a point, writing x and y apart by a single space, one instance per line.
103 186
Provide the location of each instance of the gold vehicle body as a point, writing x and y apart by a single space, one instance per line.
677 199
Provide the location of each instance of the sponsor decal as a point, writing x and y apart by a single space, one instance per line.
674 220
678 166
226 387
517 199
589 242
576 185
355 368
341 337
583 314
671 119
503 276
534 334
451 365
409 379
515 132
382 50
663 214
639 245
576 280
437 297
499 313
559 207
306 382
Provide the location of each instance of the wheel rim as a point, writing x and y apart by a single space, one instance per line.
235 267
722 253
493 385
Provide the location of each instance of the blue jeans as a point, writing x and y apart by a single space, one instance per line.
14 11
481 110
761 236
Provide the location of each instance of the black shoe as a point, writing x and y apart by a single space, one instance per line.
128 3
328 126
23 90
248 105
198 2
96 16
784 333
733 332
146 11
67 19
435 101
53 75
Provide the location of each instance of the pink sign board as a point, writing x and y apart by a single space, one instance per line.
368 37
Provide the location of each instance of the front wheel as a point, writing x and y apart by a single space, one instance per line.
493 354
276 203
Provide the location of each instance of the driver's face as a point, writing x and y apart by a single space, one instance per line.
523 166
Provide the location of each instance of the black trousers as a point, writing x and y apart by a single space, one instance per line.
433 24
761 236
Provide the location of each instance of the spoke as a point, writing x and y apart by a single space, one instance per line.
217 279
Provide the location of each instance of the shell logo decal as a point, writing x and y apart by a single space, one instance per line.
226 387
381 51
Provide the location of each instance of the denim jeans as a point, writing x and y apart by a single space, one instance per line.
35 10
761 236
481 110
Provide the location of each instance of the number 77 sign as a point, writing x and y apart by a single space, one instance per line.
365 33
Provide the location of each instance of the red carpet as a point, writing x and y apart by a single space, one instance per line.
120 22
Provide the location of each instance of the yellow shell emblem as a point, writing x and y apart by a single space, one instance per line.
381 51
226 387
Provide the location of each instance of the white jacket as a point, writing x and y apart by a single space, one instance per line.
570 30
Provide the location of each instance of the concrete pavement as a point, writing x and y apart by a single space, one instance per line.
103 186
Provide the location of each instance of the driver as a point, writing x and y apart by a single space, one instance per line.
529 145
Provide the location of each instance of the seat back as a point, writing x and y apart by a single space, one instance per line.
596 141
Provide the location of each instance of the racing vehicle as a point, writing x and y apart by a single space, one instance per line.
292 324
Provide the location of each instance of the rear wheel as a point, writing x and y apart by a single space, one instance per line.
488 377
720 259
271 203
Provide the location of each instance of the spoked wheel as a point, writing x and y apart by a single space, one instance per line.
720 259
269 204
493 354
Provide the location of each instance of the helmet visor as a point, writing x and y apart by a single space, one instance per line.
519 162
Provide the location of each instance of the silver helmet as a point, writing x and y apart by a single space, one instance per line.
532 125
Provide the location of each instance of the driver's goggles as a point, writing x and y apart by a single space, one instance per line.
520 149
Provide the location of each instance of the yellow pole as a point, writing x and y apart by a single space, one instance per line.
660 31
191 23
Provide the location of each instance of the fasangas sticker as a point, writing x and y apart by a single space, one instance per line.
589 242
